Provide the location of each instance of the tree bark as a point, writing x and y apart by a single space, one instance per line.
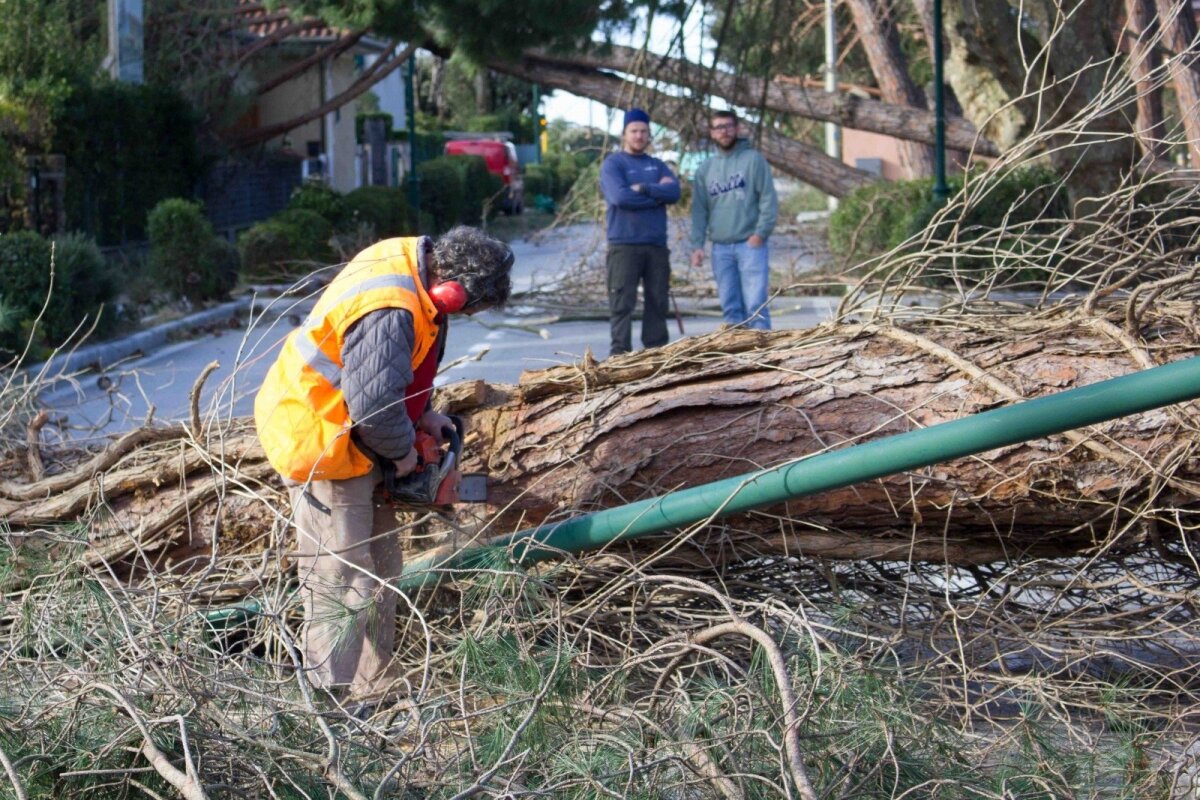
1144 61
1178 22
578 438
795 158
437 88
901 121
881 42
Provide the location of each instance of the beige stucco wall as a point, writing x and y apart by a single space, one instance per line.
864 144
335 131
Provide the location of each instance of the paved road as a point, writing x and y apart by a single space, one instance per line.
494 346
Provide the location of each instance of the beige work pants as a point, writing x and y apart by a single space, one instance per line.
344 558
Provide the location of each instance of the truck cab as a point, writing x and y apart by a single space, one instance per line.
501 160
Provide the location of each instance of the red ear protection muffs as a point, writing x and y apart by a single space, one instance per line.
448 297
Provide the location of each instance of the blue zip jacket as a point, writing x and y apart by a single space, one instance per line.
637 217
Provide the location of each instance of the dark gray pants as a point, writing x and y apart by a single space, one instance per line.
627 265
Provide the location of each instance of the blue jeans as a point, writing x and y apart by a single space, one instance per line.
743 283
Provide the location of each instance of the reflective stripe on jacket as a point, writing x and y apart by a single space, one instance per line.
300 413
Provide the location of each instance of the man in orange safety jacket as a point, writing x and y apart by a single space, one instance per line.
347 392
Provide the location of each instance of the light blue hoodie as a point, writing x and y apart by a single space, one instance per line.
733 197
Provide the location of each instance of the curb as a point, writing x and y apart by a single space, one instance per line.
103 354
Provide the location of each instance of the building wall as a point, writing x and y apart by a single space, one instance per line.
858 145
334 133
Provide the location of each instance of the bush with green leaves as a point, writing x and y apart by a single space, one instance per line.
482 189
876 218
67 284
384 208
442 193
539 180
324 200
869 218
288 244
567 169
183 259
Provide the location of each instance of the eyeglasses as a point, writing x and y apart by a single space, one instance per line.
724 126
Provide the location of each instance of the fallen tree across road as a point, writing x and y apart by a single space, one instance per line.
574 439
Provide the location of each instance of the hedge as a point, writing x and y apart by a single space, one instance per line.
442 193
287 244
481 188
79 292
324 200
127 148
384 208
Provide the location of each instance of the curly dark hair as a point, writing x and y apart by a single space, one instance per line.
477 261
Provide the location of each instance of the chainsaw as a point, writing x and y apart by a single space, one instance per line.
437 479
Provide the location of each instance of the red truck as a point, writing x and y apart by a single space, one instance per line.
501 159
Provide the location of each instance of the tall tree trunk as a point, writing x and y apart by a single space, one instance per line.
1178 22
437 88
986 79
1048 63
881 42
484 103
1144 61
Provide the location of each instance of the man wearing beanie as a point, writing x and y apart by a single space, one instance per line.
638 188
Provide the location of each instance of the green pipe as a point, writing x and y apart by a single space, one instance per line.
1031 419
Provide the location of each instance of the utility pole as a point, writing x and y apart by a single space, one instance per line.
126 41
833 131
410 111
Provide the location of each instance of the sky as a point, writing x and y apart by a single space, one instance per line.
581 111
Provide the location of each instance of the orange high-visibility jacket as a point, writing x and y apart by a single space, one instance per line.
301 415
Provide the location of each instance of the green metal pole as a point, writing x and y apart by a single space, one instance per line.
537 124
1031 419
939 109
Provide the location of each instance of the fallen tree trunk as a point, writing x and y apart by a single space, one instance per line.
901 121
790 156
573 439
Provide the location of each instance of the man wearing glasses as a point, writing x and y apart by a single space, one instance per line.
734 204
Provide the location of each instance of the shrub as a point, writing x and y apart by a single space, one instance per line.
879 217
24 283
442 193
330 204
225 262
84 284
384 208
77 291
539 179
868 218
567 170
183 260
286 244
583 199
1022 195
481 189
